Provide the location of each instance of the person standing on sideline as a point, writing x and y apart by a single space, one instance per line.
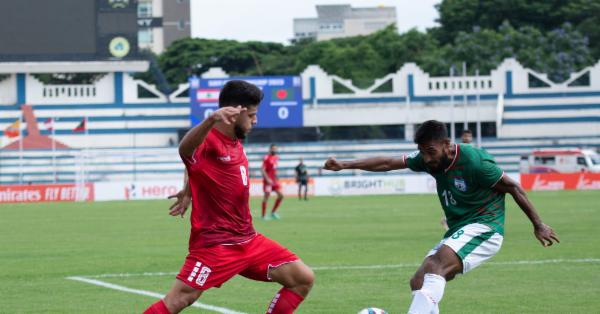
302 179
223 242
271 182
466 137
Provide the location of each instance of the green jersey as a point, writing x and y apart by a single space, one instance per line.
465 188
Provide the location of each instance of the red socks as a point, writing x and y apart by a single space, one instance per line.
157 308
264 208
277 202
284 302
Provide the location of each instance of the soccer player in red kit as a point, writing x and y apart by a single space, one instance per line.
270 182
223 242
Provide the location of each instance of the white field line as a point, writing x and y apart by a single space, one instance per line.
150 294
352 267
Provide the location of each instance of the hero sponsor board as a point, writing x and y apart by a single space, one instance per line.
147 190
107 191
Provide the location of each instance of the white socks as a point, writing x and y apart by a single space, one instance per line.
425 301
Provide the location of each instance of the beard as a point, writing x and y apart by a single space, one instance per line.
443 164
239 132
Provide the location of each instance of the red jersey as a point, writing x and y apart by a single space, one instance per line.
270 166
218 179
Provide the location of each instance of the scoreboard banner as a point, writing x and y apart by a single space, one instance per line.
68 30
281 106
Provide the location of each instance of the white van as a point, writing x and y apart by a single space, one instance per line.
560 161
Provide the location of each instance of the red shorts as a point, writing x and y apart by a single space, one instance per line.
212 266
268 188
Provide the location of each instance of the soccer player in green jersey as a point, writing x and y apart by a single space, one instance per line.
471 189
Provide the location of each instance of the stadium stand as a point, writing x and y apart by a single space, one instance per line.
161 163
133 128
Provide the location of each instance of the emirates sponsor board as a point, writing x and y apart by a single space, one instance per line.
46 193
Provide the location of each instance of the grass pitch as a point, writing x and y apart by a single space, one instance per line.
42 244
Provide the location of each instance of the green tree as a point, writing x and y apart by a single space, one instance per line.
545 15
557 53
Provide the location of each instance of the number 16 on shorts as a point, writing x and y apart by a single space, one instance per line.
202 273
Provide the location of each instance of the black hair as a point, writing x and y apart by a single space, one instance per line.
467 132
431 130
240 93
272 145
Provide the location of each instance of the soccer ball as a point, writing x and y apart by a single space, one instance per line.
372 310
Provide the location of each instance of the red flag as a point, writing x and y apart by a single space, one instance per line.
14 129
81 127
49 124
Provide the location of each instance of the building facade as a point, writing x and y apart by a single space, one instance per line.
161 22
336 21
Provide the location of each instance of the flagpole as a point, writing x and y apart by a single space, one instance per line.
20 148
53 151
85 124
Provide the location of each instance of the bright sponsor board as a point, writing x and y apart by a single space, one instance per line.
379 184
373 185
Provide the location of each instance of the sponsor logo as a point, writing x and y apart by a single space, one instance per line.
353 186
202 272
413 154
119 47
224 158
540 184
46 193
460 184
133 192
118 4
587 183
561 181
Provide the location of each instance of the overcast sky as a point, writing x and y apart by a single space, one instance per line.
272 20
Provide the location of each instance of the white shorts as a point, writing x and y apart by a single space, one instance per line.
474 244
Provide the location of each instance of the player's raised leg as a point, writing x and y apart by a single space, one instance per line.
297 280
179 297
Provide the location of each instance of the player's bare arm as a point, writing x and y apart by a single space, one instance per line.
194 137
542 232
183 199
375 164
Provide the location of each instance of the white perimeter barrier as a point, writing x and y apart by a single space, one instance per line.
320 186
